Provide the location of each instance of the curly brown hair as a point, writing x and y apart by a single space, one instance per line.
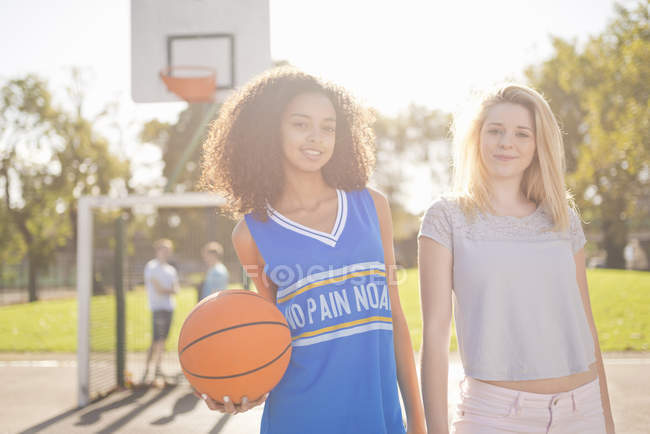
242 155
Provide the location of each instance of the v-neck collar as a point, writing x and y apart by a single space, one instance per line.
327 238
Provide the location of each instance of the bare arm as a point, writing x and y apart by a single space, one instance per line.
581 276
435 267
251 259
404 359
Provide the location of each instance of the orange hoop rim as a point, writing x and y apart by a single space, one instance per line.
194 88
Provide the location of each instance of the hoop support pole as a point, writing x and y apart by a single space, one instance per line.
187 153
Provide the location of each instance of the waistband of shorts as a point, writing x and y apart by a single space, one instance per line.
470 386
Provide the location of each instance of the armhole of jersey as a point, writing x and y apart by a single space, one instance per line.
375 215
265 268
249 219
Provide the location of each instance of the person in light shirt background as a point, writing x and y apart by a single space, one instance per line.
216 276
161 281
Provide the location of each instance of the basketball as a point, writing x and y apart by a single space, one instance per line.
234 343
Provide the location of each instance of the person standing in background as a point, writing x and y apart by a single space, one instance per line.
161 281
216 277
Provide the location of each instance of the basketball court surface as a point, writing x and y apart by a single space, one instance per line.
199 52
39 396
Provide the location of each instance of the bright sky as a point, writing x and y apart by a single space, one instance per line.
389 53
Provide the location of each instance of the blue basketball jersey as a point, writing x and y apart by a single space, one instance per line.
333 292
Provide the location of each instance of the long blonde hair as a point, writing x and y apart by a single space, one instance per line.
543 181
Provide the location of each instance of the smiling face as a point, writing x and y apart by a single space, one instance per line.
308 130
507 141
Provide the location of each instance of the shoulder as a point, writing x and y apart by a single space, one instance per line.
147 270
576 234
382 208
245 246
378 197
241 235
444 206
381 204
575 222
439 220
170 269
574 218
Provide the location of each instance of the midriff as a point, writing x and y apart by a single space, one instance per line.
550 385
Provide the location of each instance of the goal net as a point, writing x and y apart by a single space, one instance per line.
114 242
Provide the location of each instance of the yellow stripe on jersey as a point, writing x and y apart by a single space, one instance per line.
328 281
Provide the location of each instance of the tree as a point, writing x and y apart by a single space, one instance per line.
412 139
27 173
88 165
602 96
173 139
562 82
49 157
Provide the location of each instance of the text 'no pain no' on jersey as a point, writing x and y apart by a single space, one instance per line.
333 292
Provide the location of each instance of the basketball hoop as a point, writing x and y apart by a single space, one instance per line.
197 84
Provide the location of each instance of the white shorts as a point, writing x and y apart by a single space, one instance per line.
489 409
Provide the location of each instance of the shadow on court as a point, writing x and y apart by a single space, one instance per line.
35 396
94 416
124 412
186 404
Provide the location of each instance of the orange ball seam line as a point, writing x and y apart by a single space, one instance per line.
205 377
231 328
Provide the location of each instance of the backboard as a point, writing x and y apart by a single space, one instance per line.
229 36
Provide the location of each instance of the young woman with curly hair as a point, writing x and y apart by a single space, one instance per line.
508 245
292 154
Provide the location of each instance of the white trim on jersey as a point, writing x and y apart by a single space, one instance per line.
303 342
327 238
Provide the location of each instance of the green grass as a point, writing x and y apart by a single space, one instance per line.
138 327
620 302
52 325
39 326
409 295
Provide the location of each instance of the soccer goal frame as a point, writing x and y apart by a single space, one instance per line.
86 205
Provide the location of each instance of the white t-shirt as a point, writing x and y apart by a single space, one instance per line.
166 275
517 305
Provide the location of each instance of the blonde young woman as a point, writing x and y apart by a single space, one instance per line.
508 244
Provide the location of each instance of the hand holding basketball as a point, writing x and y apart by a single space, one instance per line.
228 406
